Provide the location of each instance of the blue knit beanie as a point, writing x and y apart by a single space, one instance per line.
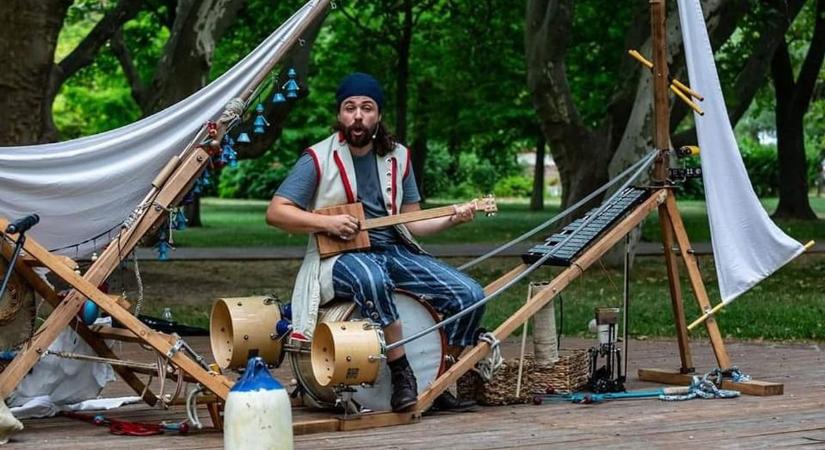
360 83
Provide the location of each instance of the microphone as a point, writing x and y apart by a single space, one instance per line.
23 224
375 133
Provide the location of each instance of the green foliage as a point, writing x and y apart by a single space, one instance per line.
514 186
256 179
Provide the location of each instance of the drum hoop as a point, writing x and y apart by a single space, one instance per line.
418 298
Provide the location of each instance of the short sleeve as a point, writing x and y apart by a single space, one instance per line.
300 185
411 194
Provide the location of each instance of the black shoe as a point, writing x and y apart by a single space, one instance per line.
404 386
446 401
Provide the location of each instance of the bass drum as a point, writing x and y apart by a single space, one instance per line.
426 354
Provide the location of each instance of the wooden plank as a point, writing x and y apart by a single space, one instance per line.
753 387
379 419
698 286
504 279
661 102
546 294
674 284
333 245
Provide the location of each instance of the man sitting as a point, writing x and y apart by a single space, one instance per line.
362 162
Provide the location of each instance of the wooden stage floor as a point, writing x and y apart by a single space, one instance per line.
794 419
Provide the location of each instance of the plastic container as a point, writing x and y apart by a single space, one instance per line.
258 413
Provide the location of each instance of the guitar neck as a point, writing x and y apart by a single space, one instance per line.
413 216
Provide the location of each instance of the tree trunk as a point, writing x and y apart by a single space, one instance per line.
537 198
419 144
27 43
187 57
793 98
403 71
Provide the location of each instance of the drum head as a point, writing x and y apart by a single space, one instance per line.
17 311
426 354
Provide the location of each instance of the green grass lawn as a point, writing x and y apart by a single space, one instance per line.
787 306
240 223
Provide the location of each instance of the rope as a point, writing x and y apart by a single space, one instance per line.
703 387
488 366
558 216
645 162
139 280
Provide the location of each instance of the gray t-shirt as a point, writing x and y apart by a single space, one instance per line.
299 187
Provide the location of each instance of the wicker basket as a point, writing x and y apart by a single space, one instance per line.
568 375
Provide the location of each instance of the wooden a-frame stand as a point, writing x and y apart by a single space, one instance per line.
176 180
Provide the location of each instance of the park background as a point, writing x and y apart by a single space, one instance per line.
480 91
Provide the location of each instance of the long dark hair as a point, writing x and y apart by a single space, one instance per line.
384 141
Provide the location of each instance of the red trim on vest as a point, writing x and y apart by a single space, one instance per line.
407 167
341 137
314 156
344 177
394 172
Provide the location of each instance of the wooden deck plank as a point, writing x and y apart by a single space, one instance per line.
759 422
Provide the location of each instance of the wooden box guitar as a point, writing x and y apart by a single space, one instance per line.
329 245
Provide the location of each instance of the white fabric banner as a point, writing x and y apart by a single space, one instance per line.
84 187
747 245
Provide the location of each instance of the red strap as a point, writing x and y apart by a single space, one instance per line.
394 171
344 177
314 156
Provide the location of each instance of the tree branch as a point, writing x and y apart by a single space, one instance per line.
87 50
753 73
126 63
809 73
354 20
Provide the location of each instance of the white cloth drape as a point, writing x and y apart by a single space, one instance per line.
747 245
84 187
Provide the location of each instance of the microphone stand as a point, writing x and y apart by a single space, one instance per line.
21 239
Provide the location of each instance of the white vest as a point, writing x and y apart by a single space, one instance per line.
336 185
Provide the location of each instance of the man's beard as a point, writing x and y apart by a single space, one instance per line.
361 140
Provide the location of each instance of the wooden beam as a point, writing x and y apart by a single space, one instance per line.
698 286
542 297
504 279
661 103
675 290
47 292
753 387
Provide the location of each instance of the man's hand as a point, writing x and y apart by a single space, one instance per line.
463 213
343 226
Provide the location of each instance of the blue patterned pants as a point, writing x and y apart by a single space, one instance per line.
369 278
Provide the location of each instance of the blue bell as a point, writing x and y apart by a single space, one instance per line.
259 125
291 86
179 220
163 247
90 312
278 98
286 311
243 138
228 154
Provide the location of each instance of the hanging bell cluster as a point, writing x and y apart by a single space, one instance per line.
163 246
229 156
